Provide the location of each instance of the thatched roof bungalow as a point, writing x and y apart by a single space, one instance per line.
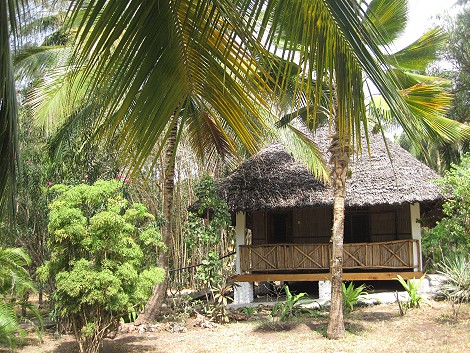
284 214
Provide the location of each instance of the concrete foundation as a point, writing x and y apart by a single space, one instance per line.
324 290
243 293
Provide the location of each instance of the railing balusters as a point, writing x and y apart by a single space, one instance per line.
289 257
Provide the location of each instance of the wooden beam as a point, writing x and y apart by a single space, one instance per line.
306 277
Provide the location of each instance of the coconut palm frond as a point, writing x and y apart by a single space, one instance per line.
389 17
408 79
301 145
34 61
154 58
8 107
419 54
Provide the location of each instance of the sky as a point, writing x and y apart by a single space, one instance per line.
423 16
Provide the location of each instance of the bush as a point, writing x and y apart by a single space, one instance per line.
412 288
97 263
452 233
351 295
291 306
456 287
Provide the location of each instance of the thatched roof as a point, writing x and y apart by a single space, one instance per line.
272 179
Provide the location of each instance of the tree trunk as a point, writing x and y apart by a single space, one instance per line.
340 160
154 304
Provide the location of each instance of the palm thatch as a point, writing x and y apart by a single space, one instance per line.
272 179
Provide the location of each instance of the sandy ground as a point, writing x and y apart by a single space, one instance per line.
377 328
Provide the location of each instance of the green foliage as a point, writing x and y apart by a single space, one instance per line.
351 295
249 310
290 307
412 288
207 192
209 273
98 263
222 297
206 229
15 281
456 287
458 50
213 209
452 234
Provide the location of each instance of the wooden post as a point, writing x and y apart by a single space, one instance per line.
416 234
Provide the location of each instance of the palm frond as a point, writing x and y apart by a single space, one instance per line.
389 17
300 143
408 79
35 61
8 108
419 54
154 58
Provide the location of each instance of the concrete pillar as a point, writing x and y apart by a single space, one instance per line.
240 226
243 291
415 216
324 290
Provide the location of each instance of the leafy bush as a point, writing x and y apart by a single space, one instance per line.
14 282
290 307
456 287
209 273
98 263
209 231
351 295
412 288
452 233
222 297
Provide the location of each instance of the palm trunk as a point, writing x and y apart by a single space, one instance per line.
340 160
154 304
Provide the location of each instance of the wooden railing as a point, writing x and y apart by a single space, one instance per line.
400 254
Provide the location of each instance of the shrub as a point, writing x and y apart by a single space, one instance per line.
351 295
452 233
289 307
412 288
97 262
456 287
222 297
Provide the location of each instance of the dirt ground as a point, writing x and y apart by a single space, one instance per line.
370 329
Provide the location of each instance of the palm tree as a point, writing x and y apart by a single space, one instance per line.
418 111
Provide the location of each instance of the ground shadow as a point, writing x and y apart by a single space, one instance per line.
313 324
375 316
277 326
122 344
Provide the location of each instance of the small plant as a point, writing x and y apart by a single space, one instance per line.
456 287
412 288
249 310
221 300
290 307
351 295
